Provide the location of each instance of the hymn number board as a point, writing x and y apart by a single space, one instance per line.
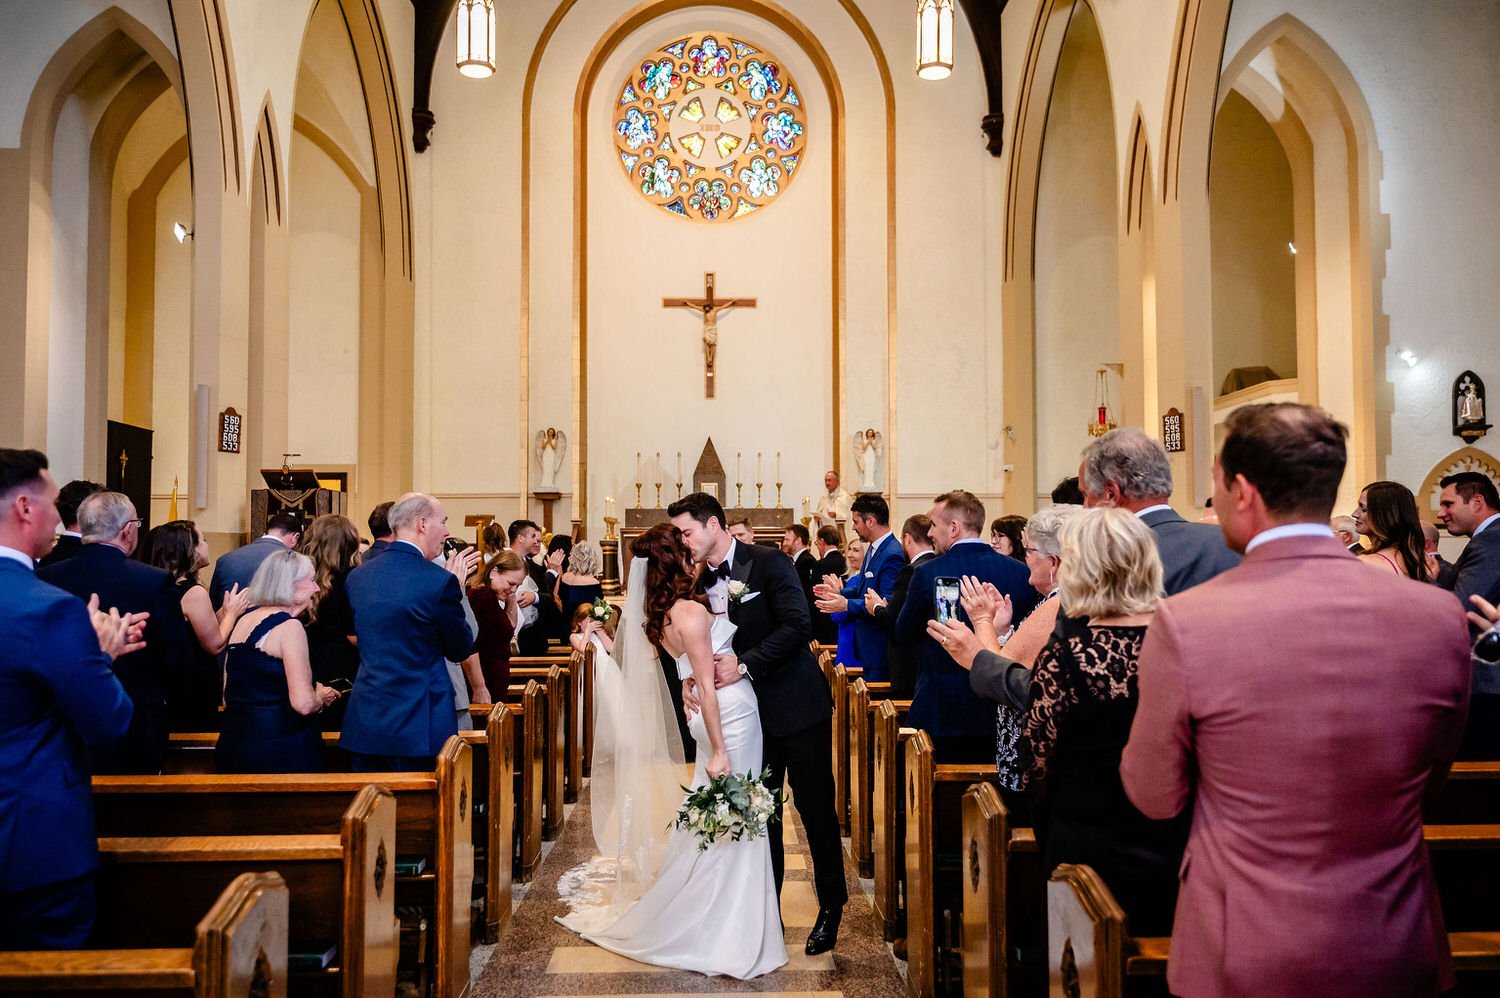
1171 431
229 431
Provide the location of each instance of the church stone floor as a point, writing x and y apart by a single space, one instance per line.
538 957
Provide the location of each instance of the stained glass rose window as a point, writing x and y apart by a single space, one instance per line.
710 127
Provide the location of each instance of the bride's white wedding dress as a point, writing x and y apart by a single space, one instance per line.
713 911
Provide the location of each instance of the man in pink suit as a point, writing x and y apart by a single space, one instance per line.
1305 748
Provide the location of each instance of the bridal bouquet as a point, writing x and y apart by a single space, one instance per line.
601 611
733 806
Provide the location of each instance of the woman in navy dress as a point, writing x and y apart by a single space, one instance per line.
271 701
580 584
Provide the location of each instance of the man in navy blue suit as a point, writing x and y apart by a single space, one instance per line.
103 567
871 519
961 725
57 696
409 617
237 567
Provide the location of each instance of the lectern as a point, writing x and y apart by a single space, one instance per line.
292 490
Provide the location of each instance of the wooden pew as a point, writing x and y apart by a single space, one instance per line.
528 714
935 865
496 801
1470 796
888 812
578 696
341 887
554 683
433 822
1090 949
495 809
1002 897
862 699
839 687
239 948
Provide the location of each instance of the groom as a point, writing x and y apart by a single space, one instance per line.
771 651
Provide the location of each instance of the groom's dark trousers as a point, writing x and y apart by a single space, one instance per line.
796 708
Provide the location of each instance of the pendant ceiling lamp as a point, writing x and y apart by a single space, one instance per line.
1104 417
934 39
476 38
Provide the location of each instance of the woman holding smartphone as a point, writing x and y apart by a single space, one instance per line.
271 701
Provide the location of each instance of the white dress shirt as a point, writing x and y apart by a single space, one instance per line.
1289 530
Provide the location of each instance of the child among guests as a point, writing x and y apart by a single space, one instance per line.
586 625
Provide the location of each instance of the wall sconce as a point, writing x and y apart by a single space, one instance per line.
934 39
476 38
182 232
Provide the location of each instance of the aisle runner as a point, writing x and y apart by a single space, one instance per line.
536 956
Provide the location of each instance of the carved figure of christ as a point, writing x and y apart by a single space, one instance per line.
710 308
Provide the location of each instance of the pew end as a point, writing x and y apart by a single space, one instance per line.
240 949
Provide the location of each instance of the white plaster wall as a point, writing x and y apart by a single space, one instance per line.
1077 257
69 290
1429 76
171 382
33 32
774 387
1254 286
465 192
323 340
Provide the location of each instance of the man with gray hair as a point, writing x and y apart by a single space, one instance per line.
1446 570
103 567
1128 469
409 618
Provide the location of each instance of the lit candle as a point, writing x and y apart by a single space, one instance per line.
637 466
737 476
658 469
758 478
679 466
778 466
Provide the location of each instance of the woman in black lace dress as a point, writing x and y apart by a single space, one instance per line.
1083 699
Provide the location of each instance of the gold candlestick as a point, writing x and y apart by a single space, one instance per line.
757 495
778 495
739 495
658 495
679 488
637 495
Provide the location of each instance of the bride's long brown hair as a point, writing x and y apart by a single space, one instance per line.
668 578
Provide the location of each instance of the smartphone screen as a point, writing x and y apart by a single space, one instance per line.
946 596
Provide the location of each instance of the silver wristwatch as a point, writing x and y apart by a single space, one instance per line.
744 670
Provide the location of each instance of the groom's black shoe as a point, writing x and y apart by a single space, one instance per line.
825 931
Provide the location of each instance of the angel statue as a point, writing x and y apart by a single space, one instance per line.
868 446
551 448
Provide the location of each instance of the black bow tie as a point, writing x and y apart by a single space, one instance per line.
722 572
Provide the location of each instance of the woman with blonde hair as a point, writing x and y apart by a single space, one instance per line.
332 542
580 585
1083 700
270 697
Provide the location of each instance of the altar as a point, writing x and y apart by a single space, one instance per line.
768 522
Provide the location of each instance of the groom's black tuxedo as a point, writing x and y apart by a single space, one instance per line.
796 707
772 638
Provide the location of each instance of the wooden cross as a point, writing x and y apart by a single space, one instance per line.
710 308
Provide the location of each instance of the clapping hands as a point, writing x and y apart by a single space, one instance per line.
235 603
462 563
118 634
983 602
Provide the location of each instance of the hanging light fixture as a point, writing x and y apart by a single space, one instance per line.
1104 419
476 38
934 39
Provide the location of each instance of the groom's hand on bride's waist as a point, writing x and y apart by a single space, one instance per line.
726 671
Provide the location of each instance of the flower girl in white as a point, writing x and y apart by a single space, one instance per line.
655 896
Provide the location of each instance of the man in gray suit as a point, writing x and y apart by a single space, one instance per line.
1469 506
238 567
1128 469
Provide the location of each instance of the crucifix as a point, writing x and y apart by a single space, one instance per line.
710 308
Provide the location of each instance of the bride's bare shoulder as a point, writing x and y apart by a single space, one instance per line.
689 617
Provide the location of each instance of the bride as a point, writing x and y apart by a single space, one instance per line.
655 897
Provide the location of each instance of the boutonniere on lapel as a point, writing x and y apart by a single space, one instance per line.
739 592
